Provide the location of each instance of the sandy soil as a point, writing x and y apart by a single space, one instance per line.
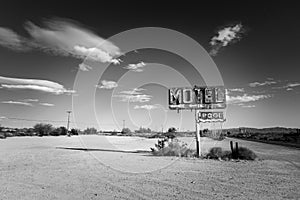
40 168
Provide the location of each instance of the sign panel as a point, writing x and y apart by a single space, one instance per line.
197 98
210 117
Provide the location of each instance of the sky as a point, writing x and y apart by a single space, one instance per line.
105 64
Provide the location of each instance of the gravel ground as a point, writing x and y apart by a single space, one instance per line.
41 168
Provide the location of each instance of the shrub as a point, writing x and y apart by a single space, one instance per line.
74 131
215 153
246 154
126 131
90 131
218 153
8 134
2 136
174 148
43 129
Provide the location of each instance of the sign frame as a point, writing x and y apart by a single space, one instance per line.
199 98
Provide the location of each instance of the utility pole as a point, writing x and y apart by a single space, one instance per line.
69 112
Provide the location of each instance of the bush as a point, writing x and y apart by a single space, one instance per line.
215 153
7 134
246 154
174 148
74 131
43 129
218 153
126 131
2 136
90 131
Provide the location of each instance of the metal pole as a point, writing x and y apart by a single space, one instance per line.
197 135
69 112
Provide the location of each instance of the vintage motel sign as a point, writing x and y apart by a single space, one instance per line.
210 117
197 98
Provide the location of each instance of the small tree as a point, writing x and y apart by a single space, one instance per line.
90 131
63 130
172 130
126 131
171 133
43 129
74 131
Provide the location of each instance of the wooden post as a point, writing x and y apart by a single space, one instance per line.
237 150
197 135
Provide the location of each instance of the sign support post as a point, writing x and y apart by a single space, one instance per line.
198 146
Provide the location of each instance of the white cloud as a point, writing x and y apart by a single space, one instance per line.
17 103
135 91
224 37
107 85
11 40
245 98
95 54
134 95
248 106
34 84
138 67
47 104
256 84
134 98
30 100
67 38
84 67
236 90
146 107
288 86
64 38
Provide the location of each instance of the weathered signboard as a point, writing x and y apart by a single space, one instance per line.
197 98
210 117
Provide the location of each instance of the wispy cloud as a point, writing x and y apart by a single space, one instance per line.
236 89
245 98
47 104
17 103
138 67
146 107
288 86
64 38
134 98
107 85
247 106
34 84
11 40
134 95
84 67
30 100
135 91
224 37
257 84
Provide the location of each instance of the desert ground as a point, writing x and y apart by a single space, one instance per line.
111 167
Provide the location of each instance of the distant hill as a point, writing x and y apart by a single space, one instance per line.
274 135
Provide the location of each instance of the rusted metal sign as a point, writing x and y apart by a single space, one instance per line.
210 117
197 98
